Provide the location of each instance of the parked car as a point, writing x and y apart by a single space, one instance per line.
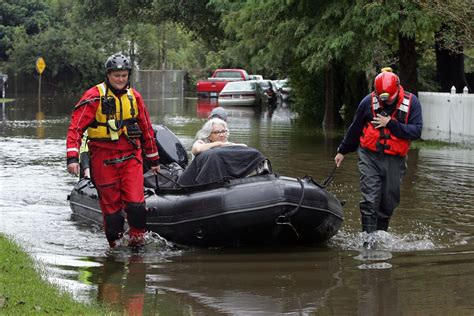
220 77
242 93
284 89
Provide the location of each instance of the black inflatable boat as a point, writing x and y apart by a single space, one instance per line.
261 209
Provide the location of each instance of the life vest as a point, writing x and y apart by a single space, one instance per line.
109 127
381 139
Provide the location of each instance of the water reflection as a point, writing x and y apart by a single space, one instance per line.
204 106
122 284
378 294
287 282
4 117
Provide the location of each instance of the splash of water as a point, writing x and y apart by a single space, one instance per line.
154 244
392 241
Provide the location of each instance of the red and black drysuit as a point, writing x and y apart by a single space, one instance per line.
382 154
116 165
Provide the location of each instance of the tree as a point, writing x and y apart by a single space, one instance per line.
31 16
335 39
78 55
454 33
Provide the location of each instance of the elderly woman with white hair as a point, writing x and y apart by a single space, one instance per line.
214 133
217 159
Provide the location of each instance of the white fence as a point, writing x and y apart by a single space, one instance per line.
448 117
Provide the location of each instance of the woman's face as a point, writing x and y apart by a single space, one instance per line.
219 133
118 79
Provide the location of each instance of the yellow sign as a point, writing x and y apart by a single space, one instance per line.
40 65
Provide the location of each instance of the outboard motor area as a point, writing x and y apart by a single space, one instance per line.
170 148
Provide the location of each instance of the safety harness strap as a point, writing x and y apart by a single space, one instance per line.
118 160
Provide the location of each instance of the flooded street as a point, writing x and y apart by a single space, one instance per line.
424 265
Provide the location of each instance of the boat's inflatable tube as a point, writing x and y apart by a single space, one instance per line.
262 209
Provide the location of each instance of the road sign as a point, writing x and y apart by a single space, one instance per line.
40 65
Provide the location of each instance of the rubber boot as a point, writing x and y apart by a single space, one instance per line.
369 225
382 223
136 215
113 225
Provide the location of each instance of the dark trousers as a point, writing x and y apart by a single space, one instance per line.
380 179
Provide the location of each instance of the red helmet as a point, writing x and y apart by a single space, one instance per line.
387 85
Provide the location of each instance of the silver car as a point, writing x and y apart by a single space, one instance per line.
242 93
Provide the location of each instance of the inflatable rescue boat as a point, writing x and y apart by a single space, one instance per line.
262 208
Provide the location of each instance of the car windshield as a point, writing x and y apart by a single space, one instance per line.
228 74
239 86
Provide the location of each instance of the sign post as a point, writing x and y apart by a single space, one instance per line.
40 66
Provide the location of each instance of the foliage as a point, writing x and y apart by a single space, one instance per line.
168 43
301 38
259 36
308 96
31 16
199 17
78 53
456 13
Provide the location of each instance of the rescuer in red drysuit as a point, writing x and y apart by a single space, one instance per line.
118 127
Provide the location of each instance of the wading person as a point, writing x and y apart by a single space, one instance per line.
385 123
118 129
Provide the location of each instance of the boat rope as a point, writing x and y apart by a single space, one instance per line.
329 178
285 219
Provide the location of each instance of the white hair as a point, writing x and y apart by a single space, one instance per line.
206 129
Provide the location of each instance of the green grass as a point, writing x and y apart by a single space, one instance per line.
24 292
435 144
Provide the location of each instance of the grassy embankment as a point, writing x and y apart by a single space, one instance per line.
24 292
435 144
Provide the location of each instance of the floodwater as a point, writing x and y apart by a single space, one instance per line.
423 266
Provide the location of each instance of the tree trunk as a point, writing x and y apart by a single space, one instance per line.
449 65
328 121
408 68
